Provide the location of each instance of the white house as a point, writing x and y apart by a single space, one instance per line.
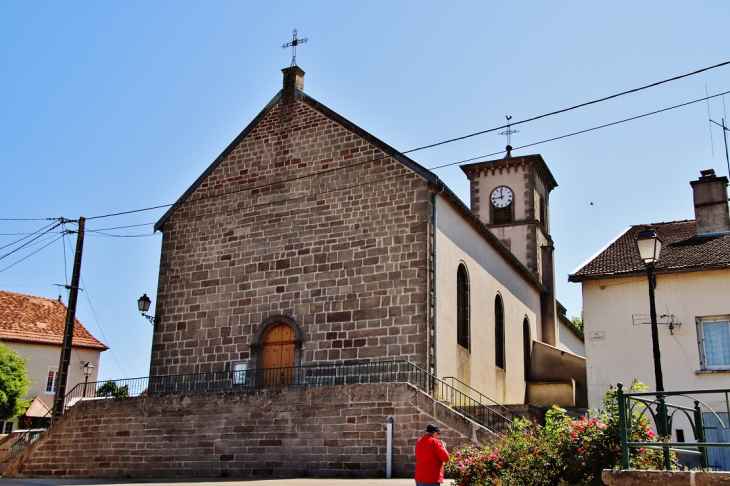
691 292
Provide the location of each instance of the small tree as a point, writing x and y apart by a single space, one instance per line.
110 389
14 384
578 322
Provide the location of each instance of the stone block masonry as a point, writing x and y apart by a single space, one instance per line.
326 432
303 219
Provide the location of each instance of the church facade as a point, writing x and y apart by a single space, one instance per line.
309 241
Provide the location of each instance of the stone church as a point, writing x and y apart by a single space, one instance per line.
310 241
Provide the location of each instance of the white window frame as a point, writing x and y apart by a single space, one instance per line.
239 373
54 383
700 321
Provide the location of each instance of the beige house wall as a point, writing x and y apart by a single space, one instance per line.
619 351
489 274
569 341
42 357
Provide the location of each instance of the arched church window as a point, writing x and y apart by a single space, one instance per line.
499 351
462 307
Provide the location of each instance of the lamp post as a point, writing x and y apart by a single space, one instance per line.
649 247
88 369
143 304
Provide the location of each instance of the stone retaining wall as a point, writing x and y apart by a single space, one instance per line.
330 432
664 478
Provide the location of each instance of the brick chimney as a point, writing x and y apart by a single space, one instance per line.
711 204
293 79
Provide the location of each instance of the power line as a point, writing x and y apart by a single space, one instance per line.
572 107
28 256
606 98
130 212
27 243
107 235
388 178
98 323
282 201
29 219
454 139
27 236
580 131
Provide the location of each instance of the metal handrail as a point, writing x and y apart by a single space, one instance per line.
664 420
482 396
317 375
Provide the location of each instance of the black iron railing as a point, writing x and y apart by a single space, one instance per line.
483 399
664 415
300 376
25 440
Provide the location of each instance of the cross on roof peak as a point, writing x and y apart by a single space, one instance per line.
293 44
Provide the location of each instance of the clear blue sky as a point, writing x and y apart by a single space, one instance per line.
113 106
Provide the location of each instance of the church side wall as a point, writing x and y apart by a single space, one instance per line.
489 274
278 433
303 219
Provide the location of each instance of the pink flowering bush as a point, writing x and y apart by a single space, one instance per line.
562 452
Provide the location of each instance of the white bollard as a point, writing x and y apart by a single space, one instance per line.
389 447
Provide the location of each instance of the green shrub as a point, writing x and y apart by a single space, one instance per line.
562 452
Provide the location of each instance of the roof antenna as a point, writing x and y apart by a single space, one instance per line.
509 133
724 135
721 125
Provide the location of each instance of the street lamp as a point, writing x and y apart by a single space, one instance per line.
88 369
143 304
649 247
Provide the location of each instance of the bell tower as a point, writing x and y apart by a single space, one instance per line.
512 197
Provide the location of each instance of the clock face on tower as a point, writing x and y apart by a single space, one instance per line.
501 197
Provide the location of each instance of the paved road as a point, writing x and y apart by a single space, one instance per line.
212 482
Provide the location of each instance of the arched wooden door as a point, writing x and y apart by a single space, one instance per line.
278 356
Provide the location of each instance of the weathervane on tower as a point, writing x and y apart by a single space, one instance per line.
293 44
509 133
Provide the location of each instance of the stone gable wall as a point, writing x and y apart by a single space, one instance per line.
343 253
282 433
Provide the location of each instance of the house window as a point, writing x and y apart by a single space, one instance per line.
51 382
462 307
499 332
239 373
8 428
713 336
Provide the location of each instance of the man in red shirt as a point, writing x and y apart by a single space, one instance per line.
430 458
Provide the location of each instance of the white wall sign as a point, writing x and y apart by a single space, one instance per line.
596 336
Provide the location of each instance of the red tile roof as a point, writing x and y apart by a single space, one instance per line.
37 409
27 318
682 250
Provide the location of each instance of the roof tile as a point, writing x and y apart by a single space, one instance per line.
39 320
681 250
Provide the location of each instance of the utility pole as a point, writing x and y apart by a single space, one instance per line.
68 333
